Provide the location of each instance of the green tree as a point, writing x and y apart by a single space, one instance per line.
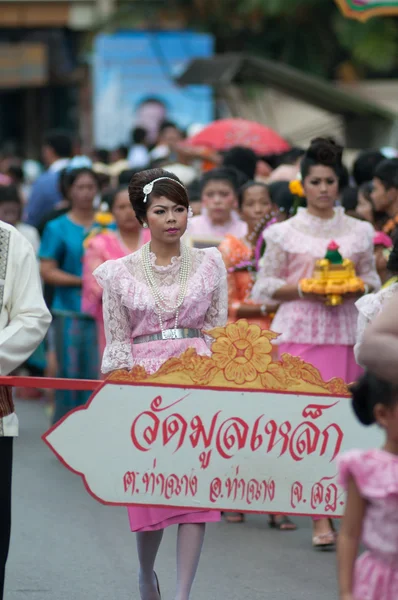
311 35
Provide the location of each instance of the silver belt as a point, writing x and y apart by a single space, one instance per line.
169 334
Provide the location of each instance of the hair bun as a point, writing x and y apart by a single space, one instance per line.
325 151
392 264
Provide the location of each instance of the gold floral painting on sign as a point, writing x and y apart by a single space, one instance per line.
242 356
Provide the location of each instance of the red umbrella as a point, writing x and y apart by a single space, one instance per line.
227 133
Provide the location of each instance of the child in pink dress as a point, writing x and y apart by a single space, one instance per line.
150 296
219 198
371 480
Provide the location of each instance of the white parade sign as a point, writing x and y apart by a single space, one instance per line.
211 448
237 430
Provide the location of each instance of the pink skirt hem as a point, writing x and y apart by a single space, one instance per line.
152 518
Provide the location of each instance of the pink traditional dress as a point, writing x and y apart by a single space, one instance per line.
102 247
321 335
130 311
202 228
375 473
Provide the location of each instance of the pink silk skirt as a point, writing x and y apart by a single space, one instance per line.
151 518
331 360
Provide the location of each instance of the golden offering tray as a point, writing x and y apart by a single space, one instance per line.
333 277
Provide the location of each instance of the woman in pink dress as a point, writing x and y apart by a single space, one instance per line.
128 237
371 480
319 334
156 303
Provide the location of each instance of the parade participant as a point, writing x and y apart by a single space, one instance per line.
110 245
370 478
255 208
61 255
379 349
321 335
156 304
219 197
24 320
371 305
385 194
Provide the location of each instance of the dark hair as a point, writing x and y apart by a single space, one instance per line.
194 189
139 135
387 172
60 142
10 193
365 165
368 391
71 177
123 151
366 190
392 263
291 156
102 155
282 196
125 176
110 196
230 175
344 178
174 190
349 199
16 173
243 159
166 125
325 152
247 186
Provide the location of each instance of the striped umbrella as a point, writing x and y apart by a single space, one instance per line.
362 10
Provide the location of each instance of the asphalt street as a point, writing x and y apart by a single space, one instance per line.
66 546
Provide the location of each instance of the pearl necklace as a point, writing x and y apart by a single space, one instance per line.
162 304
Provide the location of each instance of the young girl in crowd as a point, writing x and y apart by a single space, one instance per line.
239 254
255 208
61 255
219 197
110 245
156 303
371 480
322 335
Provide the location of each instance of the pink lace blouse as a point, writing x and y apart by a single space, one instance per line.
292 250
130 311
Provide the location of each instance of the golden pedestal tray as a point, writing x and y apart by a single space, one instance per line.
333 277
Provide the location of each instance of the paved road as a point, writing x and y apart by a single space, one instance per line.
65 546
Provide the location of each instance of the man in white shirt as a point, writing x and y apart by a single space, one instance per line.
24 320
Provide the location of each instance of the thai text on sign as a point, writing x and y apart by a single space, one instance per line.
206 448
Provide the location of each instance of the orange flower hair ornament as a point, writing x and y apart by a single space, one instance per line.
296 188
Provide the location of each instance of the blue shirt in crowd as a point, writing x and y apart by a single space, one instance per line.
63 242
45 194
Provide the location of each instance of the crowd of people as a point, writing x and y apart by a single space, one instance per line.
162 243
